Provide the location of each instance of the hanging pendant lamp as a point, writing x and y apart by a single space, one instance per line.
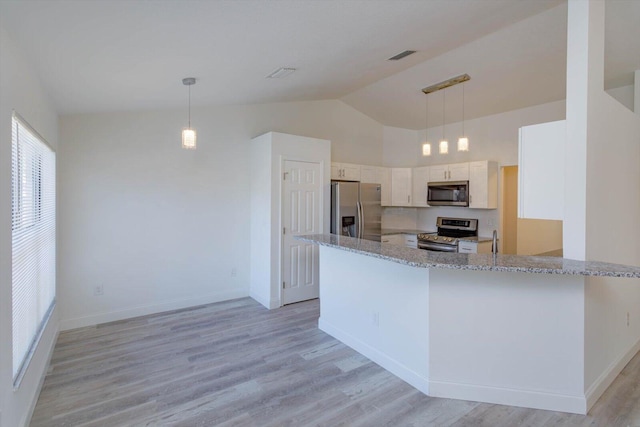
189 134
463 141
444 144
426 147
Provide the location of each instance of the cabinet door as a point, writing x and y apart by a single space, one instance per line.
393 239
401 186
350 172
385 186
483 185
420 177
370 175
438 173
411 241
541 171
458 172
336 171
465 247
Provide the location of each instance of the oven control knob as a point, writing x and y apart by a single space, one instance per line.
435 238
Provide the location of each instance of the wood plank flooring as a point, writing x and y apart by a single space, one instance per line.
235 363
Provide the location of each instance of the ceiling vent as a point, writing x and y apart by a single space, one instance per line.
281 73
402 55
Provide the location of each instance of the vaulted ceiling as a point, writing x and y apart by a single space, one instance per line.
98 56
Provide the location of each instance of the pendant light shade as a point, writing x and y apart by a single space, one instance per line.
463 141
189 134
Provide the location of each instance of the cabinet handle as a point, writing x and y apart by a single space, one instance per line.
408 199
449 174
445 175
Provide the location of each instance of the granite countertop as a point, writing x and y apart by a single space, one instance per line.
486 262
389 231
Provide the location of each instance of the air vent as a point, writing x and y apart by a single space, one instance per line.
281 73
402 55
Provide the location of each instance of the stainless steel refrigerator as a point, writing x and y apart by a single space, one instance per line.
356 210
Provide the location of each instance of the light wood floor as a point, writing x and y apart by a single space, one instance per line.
237 364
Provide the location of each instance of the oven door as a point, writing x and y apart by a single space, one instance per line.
438 247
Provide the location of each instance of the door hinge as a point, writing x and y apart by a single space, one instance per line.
284 230
282 285
284 176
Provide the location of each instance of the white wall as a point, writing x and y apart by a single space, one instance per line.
490 138
603 139
160 227
21 90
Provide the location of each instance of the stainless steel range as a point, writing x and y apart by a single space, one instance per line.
449 232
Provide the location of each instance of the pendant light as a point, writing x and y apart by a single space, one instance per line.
444 144
426 147
189 134
463 141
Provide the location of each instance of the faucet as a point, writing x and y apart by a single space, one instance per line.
494 245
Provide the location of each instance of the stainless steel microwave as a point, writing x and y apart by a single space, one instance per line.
451 193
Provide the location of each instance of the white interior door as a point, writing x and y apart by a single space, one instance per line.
301 214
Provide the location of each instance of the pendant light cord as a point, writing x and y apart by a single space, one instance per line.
444 94
189 106
463 110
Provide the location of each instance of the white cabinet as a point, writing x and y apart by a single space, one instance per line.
411 241
371 174
452 172
541 171
483 185
393 239
420 177
401 186
408 240
385 186
345 171
465 247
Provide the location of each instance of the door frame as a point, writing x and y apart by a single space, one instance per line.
325 187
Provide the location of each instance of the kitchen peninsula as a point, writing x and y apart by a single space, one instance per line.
501 329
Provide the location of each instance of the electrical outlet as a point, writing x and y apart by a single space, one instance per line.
98 290
234 272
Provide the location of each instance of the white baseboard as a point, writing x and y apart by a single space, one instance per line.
144 310
391 365
512 397
478 393
32 406
269 303
609 375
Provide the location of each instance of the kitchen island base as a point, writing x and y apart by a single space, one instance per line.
499 337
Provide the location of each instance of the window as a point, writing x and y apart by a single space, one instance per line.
33 240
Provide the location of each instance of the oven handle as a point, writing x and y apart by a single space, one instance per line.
440 247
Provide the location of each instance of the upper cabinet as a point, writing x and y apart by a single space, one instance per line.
345 171
385 186
541 171
483 185
371 174
401 187
420 177
452 172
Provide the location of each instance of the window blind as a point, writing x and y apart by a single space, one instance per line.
33 240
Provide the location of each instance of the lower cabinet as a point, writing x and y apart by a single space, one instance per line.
408 240
466 247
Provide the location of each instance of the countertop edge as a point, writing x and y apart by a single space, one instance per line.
473 262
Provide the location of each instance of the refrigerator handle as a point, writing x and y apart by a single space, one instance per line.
361 221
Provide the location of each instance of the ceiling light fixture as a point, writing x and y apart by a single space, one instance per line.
444 144
281 73
426 147
189 134
463 141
